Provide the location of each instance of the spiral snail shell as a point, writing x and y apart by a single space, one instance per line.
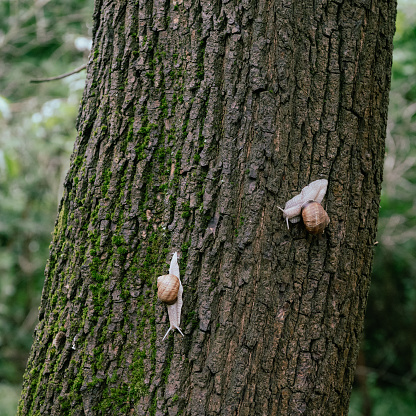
314 217
167 288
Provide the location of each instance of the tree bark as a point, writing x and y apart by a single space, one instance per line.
198 120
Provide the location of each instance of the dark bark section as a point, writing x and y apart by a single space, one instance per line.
197 120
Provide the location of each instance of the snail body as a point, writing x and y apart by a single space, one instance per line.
314 217
170 292
314 192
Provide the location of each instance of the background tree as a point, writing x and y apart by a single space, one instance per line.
197 120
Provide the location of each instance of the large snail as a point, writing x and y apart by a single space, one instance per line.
170 292
308 204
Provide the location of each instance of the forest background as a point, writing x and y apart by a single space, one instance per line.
40 39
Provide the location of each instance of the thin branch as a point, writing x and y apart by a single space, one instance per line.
60 76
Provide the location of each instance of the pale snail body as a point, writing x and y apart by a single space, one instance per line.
314 192
169 289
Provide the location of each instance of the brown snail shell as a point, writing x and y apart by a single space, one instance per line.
314 217
167 288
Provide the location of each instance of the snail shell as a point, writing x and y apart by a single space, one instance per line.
314 217
59 339
168 288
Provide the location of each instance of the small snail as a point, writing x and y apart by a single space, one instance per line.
314 217
170 292
314 192
59 340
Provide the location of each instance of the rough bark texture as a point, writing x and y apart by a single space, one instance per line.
198 119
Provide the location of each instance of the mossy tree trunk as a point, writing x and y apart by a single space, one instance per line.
198 119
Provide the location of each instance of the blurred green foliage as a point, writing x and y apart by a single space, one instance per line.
9 397
389 344
386 401
38 39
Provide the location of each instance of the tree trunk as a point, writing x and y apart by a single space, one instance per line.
198 120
